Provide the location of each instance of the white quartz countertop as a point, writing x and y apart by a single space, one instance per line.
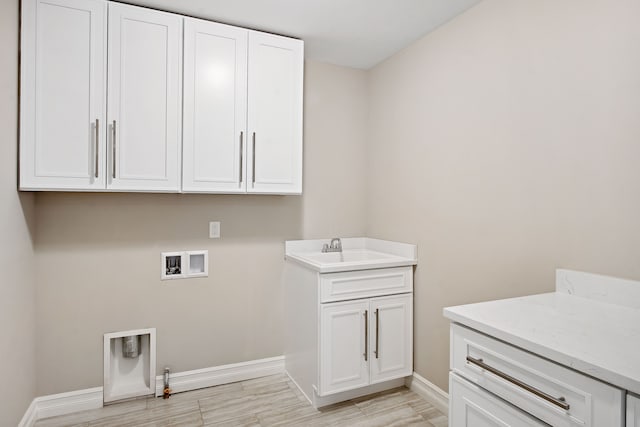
580 330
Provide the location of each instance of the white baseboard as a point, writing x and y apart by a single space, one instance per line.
92 398
218 375
29 418
429 391
62 404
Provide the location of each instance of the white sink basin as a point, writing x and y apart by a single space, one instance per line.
357 254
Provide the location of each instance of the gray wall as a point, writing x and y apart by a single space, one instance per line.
506 144
98 255
17 283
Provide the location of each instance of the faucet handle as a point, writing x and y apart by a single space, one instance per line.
325 247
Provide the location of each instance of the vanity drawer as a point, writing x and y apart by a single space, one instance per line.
552 393
365 283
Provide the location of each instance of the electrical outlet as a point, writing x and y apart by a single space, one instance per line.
214 229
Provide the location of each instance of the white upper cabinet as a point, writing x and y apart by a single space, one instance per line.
242 111
103 109
215 107
62 125
275 114
144 99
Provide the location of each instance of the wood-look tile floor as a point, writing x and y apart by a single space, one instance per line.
268 401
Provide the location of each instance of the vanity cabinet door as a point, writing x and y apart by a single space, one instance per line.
343 346
633 411
391 331
215 107
144 99
274 114
62 99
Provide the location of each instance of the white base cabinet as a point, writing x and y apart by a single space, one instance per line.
487 373
363 344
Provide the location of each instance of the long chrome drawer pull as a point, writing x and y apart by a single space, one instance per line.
558 401
366 334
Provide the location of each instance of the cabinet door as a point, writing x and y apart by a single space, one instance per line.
144 99
633 411
343 349
391 331
472 406
275 114
215 107
63 94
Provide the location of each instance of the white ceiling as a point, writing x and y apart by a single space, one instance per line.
352 33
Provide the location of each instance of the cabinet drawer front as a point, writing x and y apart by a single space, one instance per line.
534 384
472 406
366 283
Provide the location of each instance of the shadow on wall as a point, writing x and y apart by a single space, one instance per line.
90 219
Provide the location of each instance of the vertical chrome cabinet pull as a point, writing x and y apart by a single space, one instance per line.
113 154
241 155
558 401
377 333
97 146
253 168
366 334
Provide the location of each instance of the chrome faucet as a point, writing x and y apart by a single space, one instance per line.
334 246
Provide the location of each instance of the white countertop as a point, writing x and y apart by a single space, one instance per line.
358 253
588 333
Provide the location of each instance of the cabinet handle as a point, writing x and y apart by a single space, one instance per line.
377 332
241 155
97 145
113 147
366 334
558 401
253 167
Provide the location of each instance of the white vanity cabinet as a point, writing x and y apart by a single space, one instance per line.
633 410
349 317
68 139
365 341
242 110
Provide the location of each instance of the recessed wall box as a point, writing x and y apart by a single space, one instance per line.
198 264
129 373
184 265
173 265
